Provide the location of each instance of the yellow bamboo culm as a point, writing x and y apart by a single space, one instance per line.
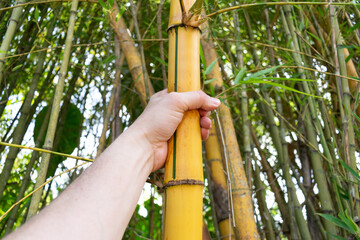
215 161
183 167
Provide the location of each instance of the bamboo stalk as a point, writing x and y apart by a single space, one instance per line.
310 118
296 220
183 168
9 35
274 185
54 112
344 95
23 122
161 44
142 83
266 217
110 106
117 122
242 6
244 102
6 92
245 227
219 188
26 178
213 150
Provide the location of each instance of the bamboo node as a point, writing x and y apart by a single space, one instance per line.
182 25
11 19
183 182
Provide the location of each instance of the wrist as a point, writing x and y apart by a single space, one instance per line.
136 137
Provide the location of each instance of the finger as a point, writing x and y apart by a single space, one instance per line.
204 113
204 133
205 122
195 100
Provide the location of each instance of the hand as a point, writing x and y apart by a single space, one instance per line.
165 112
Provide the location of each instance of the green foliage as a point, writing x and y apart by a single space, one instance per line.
344 221
68 135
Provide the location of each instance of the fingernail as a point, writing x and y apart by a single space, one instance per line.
215 101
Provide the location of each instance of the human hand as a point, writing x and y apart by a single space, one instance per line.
164 113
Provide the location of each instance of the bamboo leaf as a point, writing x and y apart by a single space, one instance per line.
347 167
209 81
212 91
287 79
109 59
314 36
210 67
335 220
357 25
239 77
103 5
99 19
202 58
262 72
36 13
280 86
335 236
17 67
356 116
111 3
161 61
350 222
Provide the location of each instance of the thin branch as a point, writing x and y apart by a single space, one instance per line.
42 2
276 4
46 151
37 189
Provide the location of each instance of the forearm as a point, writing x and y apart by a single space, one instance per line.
99 204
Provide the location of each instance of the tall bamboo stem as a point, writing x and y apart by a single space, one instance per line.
266 217
161 44
310 119
23 123
54 112
111 105
245 227
219 188
244 103
9 35
142 83
183 168
344 95
26 178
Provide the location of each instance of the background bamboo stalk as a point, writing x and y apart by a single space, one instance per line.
266 217
132 56
54 112
111 105
23 122
244 104
161 44
219 184
26 180
316 160
345 108
241 193
9 35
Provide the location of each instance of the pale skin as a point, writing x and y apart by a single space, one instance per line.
100 203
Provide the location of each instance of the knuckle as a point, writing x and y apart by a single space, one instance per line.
173 98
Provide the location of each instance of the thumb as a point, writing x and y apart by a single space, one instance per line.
197 100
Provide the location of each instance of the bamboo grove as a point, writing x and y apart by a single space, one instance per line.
281 161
